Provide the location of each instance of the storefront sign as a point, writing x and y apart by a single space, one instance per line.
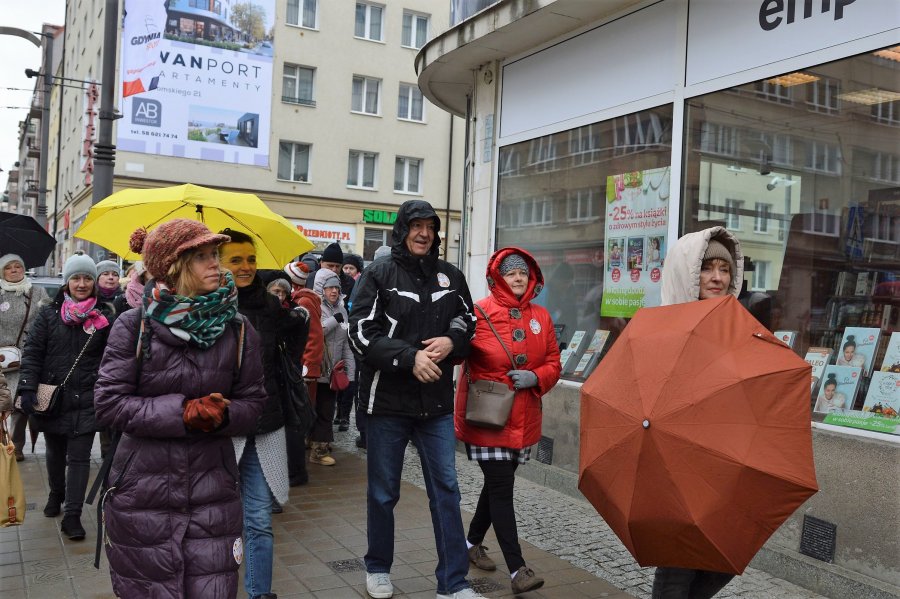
730 36
865 420
326 232
89 132
381 217
637 219
213 77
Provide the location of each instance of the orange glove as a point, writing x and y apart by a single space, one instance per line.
205 413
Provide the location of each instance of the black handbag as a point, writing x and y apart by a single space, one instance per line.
298 409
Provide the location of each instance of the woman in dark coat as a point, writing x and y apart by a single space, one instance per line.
74 324
173 506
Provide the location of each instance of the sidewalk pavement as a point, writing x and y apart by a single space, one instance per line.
321 537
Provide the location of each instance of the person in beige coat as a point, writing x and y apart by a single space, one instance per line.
702 265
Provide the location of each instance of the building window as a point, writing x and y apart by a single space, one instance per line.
760 280
733 214
293 161
369 21
542 154
415 30
366 95
583 204
361 168
408 175
584 145
718 139
763 214
773 92
374 239
297 85
823 96
823 157
302 13
409 104
887 113
509 162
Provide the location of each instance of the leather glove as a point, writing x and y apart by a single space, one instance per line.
28 401
204 413
523 379
339 316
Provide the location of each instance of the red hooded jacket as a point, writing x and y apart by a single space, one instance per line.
315 343
489 361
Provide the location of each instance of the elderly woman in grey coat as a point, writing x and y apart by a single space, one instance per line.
337 348
19 301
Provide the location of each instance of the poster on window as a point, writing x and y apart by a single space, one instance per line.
212 78
637 218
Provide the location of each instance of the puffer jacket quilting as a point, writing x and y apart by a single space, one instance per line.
173 510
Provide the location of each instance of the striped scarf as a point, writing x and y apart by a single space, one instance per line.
198 320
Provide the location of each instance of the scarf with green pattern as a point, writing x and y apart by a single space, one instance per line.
198 320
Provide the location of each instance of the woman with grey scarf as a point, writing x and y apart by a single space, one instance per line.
19 301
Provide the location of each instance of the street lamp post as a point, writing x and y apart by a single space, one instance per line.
104 149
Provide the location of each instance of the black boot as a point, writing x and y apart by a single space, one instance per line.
361 441
54 504
72 528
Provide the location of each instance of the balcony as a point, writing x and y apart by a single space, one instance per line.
34 151
36 107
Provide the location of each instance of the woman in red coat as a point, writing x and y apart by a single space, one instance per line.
527 331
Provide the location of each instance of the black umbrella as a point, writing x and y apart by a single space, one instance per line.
24 236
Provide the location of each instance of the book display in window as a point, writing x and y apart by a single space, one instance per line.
891 360
883 397
592 354
818 358
858 347
573 351
838 388
789 338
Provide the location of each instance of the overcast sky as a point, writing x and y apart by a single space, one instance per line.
20 54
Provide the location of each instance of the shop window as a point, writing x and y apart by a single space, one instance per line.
415 30
293 161
369 22
761 221
297 85
361 169
408 175
833 268
366 95
733 214
584 179
303 13
410 106
374 239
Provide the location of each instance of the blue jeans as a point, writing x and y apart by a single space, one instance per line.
258 538
434 439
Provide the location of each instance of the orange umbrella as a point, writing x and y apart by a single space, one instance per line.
696 442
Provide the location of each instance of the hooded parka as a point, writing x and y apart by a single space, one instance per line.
681 275
173 509
399 302
489 361
336 346
51 349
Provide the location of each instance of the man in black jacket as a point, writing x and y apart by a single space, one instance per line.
411 320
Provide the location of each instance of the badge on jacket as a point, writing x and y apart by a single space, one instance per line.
535 326
237 550
443 280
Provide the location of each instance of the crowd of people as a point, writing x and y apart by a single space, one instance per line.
180 367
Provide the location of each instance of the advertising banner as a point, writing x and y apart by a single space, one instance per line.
213 93
323 234
637 218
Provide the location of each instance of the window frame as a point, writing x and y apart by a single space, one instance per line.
733 209
407 161
367 23
301 5
294 145
360 170
763 214
297 99
366 80
414 17
412 89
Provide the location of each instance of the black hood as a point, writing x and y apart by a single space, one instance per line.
409 210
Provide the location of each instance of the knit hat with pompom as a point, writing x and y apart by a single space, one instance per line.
162 246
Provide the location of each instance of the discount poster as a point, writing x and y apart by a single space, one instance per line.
637 219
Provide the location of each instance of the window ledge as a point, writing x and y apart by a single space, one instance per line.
414 121
408 193
368 39
378 115
362 188
303 27
292 181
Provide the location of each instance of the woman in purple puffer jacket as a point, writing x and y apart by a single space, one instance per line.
172 509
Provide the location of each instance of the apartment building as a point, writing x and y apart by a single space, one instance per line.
312 105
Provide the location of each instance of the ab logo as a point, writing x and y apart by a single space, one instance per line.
146 112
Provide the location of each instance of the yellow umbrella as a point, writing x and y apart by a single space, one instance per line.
110 223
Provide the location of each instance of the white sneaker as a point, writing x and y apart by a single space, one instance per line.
379 586
463 594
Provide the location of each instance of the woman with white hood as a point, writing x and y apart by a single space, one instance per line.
19 302
702 265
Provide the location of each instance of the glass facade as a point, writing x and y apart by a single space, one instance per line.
803 167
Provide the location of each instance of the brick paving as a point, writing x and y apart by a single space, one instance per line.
321 537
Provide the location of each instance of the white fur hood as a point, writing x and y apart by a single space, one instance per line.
681 274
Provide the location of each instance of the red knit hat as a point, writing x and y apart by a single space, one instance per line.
161 247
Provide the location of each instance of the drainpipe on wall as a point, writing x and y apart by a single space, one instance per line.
449 184
464 219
